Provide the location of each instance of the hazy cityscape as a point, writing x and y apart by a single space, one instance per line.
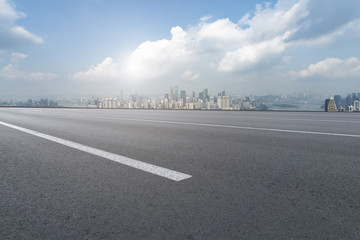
177 99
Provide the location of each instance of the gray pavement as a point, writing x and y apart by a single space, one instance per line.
255 175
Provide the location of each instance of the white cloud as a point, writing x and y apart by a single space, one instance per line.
17 57
8 12
12 70
228 52
189 75
348 29
250 55
39 76
332 68
221 33
105 70
11 34
231 46
269 23
20 32
205 18
154 59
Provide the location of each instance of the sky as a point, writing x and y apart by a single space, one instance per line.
103 47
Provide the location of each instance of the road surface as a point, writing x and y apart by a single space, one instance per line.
109 174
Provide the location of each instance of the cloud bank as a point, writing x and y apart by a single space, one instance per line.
247 52
13 35
332 68
12 71
105 70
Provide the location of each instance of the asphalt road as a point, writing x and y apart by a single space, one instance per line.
254 175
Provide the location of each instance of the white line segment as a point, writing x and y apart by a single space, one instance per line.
239 127
150 168
212 125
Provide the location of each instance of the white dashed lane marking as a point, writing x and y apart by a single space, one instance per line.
146 167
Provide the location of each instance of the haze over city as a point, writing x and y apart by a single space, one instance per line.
244 47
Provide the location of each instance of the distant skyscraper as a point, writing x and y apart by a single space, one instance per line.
337 99
171 94
348 101
201 95
330 105
167 96
206 95
110 103
176 93
223 93
183 96
219 101
356 105
225 102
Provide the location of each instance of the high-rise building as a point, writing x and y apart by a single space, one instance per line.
330 105
110 103
183 96
348 101
327 104
223 93
337 99
201 95
176 93
167 96
225 102
219 101
171 94
357 105
206 95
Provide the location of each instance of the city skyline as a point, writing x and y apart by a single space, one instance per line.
178 99
89 48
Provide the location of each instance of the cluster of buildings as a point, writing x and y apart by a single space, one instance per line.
43 102
183 100
337 103
176 99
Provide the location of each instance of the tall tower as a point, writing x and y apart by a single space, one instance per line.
330 105
225 102
337 99
176 93
206 95
171 94
183 96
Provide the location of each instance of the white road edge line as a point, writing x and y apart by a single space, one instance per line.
146 167
249 128
216 125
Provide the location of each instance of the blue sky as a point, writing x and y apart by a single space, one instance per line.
100 47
